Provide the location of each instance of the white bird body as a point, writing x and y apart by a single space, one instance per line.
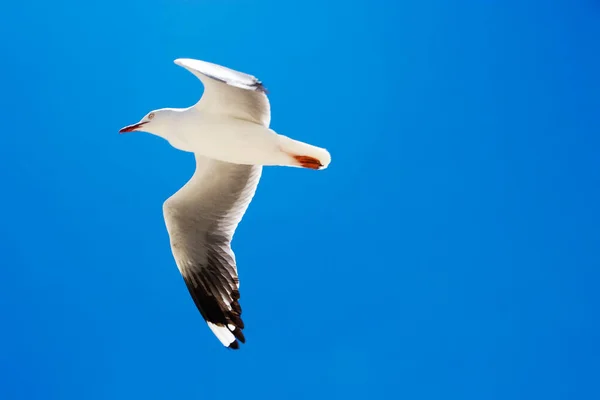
235 140
228 132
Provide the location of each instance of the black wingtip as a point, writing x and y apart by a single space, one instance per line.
234 345
260 87
239 335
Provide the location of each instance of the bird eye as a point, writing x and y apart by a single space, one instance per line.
151 115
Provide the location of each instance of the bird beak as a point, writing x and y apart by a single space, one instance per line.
134 127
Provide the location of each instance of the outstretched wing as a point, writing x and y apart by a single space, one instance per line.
230 92
201 219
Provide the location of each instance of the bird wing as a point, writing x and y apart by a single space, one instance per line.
201 219
230 92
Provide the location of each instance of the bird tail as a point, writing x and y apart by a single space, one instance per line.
304 155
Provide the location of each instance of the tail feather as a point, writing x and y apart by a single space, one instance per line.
303 154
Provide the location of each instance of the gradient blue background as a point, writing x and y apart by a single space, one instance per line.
451 250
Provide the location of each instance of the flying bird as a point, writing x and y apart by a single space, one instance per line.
228 132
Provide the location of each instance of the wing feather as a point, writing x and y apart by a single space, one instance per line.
230 92
201 219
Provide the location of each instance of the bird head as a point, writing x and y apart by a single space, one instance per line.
155 122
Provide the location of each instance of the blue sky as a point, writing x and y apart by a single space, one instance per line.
449 252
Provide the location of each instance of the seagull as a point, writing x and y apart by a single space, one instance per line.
228 132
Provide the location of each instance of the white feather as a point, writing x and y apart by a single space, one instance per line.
222 333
